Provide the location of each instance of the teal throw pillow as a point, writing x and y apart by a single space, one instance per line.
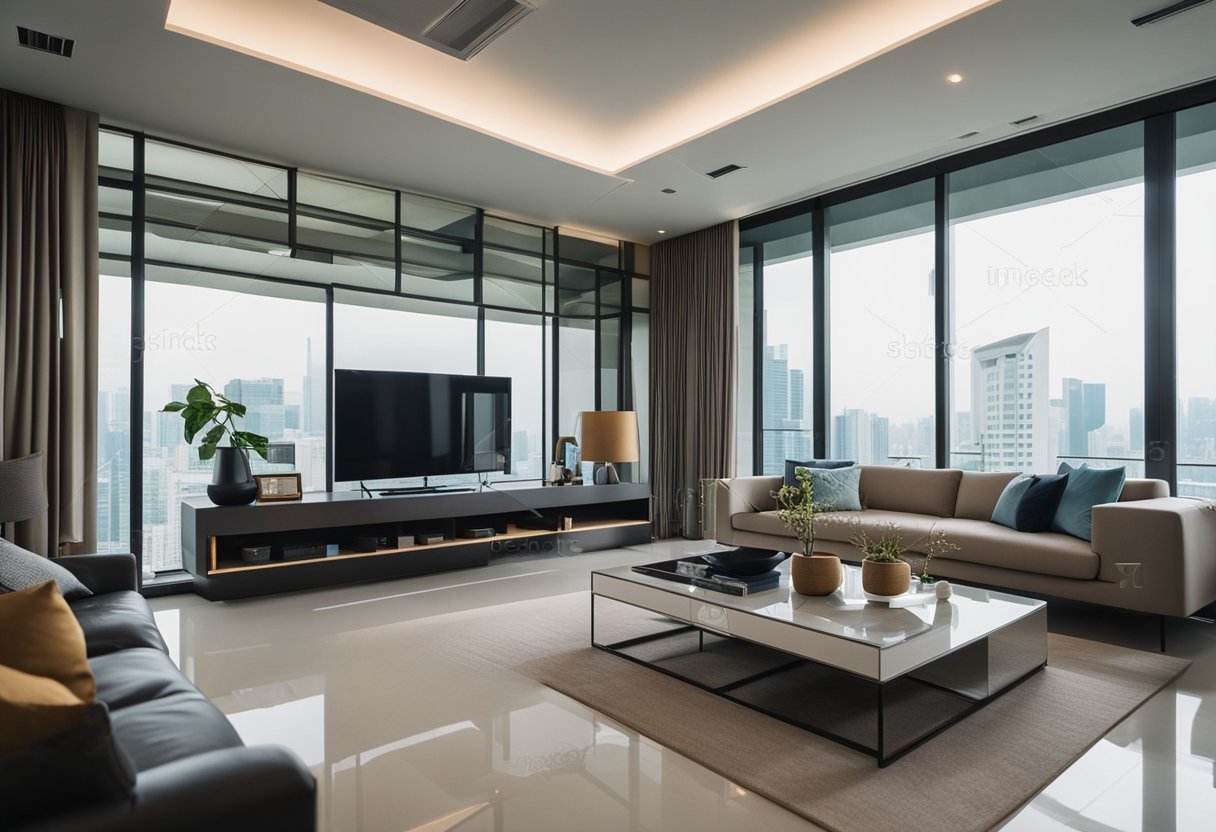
1087 487
836 489
1006 511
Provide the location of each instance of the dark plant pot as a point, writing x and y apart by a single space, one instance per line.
232 482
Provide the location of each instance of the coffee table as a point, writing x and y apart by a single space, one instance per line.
876 679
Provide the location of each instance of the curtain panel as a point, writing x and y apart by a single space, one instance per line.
693 366
48 311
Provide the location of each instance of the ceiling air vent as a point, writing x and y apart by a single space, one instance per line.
1168 11
472 24
1022 122
45 43
460 28
972 134
722 171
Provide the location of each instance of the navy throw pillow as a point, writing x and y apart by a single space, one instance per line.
1038 505
792 465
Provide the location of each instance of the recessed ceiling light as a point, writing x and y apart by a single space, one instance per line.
662 230
954 78
668 191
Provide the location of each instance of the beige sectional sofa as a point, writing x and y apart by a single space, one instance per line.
1150 552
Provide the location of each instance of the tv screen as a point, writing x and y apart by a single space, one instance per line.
390 425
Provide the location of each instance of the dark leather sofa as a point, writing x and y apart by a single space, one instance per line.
193 772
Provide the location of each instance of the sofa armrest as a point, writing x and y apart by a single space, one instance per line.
1161 551
242 789
740 496
103 573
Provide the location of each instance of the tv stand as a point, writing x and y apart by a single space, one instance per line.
422 489
335 528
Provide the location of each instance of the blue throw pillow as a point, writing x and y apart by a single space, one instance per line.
792 466
1087 487
836 489
1006 510
1038 505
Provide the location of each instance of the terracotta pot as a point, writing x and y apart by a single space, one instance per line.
816 574
885 578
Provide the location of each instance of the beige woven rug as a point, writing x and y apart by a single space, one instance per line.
970 777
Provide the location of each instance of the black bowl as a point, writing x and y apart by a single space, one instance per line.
745 560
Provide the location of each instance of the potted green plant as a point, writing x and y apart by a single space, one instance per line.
811 572
206 409
884 569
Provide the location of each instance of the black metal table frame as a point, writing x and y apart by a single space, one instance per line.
883 756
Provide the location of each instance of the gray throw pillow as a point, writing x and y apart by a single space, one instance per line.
21 569
836 489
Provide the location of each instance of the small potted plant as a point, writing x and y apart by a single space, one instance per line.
884 569
232 480
811 572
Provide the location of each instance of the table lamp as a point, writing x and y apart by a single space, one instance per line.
22 489
609 436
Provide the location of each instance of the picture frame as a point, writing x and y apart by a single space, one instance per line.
275 488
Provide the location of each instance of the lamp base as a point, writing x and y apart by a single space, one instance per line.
604 473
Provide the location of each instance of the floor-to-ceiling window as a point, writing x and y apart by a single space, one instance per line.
1196 301
783 334
1047 272
881 279
245 269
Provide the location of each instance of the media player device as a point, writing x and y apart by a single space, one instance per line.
427 538
255 554
302 551
475 534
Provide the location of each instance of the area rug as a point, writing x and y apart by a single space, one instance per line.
971 777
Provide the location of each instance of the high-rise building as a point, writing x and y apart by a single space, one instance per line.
1135 438
1083 412
312 408
1010 403
265 412
796 396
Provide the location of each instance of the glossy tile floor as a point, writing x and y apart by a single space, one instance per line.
409 749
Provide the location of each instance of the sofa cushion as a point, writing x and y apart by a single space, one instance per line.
839 527
792 466
75 769
22 569
1006 511
115 621
978 492
33 708
39 635
836 489
138 674
929 491
171 727
1048 553
1037 507
1087 487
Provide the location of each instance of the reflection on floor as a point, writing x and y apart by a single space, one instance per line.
398 745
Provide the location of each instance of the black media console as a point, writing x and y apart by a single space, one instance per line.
213 537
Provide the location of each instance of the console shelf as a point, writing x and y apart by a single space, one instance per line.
603 516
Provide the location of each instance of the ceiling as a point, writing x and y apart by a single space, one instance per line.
584 111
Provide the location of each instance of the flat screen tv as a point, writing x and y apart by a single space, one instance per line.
389 425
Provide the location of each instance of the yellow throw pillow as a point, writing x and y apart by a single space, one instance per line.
33 708
43 638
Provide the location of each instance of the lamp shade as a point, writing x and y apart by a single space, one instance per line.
22 488
610 436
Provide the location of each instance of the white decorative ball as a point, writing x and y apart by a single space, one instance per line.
943 590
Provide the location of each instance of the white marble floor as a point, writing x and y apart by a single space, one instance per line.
420 750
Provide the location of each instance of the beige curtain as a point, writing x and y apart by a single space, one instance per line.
692 365
48 311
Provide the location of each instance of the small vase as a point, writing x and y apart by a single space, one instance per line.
885 578
816 574
232 482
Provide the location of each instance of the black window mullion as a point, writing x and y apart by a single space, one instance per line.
135 452
758 358
820 364
397 238
329 388
293 210
943 322
1160 297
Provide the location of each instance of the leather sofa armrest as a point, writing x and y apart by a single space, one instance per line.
103 573
1161 551
242 789
740 496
